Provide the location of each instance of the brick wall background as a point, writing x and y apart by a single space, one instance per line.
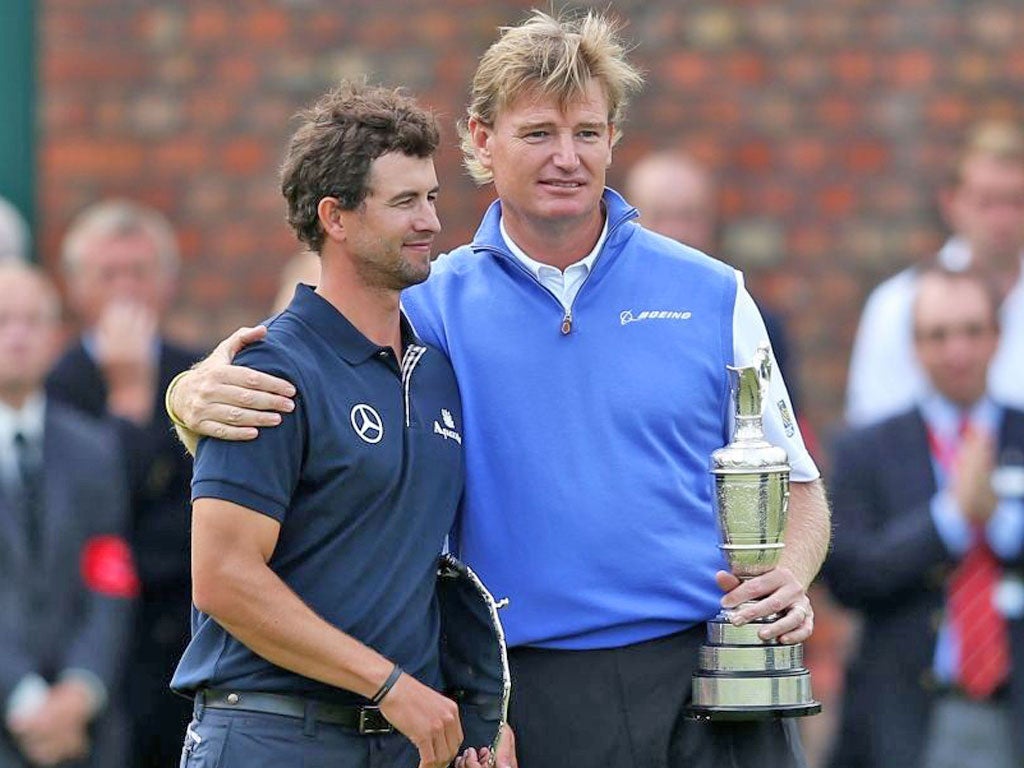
828 123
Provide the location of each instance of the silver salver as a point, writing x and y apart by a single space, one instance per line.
474 659
739 675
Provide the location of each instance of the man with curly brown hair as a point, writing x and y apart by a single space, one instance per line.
314 562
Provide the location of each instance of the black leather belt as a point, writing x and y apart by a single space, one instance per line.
366 720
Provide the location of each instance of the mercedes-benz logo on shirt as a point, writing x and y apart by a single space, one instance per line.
367 423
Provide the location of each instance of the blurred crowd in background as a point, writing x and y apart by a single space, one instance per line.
834 152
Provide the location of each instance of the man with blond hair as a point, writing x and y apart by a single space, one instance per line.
591 358
120 264
983 204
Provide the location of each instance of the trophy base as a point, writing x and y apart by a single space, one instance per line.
741 677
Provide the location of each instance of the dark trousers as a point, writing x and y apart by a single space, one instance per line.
623 708
158 716
230 739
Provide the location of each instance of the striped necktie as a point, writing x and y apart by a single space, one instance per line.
984 641
984 661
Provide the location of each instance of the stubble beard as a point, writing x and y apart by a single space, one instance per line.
387 270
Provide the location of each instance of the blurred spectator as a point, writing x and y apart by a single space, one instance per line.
14 236
677 197
66 573
303 267
120 263
928 547
983 205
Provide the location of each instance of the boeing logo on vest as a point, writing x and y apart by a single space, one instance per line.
626 316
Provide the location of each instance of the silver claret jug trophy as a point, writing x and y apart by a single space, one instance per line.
739 675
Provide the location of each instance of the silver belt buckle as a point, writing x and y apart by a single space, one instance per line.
372 722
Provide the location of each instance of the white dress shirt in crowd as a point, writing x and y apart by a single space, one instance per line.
27 421
885 377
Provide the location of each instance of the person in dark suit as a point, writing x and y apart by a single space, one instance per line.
120 262
67 580
929 528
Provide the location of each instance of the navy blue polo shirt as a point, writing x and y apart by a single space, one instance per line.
364 477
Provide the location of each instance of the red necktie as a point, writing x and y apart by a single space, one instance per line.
984 644
984 641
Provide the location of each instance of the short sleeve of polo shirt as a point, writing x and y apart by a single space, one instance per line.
780 425
259 474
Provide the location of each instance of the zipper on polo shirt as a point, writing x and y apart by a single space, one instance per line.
412 356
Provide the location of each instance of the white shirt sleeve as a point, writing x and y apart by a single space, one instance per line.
780 425
1004 375
884 377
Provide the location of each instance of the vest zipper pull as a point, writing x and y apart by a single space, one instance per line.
567 322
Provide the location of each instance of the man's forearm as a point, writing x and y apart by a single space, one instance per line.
808 531
265 615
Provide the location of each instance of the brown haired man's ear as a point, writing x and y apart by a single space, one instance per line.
329 213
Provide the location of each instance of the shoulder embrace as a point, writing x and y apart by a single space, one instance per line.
273 355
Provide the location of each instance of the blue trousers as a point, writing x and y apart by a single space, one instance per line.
218 738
